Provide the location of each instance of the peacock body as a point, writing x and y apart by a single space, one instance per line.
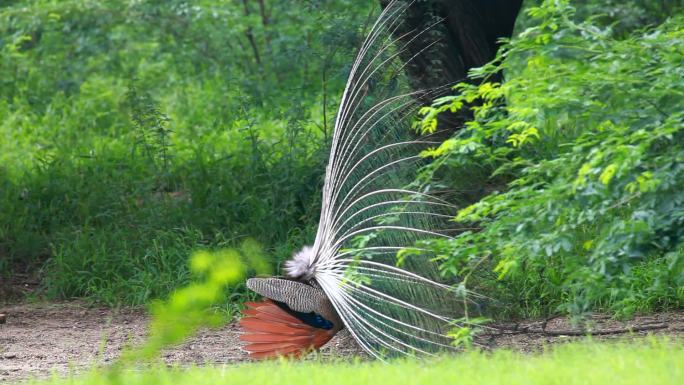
364 270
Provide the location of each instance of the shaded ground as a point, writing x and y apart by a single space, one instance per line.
38 339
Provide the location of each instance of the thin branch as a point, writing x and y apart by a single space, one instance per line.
250 36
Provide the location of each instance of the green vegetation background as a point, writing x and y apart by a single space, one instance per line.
134 133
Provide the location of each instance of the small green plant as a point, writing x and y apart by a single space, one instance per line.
193 306
465 330
151 125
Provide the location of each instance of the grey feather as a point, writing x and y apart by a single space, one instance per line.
296 295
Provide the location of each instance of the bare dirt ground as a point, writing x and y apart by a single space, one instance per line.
39 339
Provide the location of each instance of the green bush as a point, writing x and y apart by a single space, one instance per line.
576 163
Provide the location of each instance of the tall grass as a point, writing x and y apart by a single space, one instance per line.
113 225
136 132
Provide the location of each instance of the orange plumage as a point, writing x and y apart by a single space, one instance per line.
271 332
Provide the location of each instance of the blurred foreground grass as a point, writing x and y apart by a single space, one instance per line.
647 362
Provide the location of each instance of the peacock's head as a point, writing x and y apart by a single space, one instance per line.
300 267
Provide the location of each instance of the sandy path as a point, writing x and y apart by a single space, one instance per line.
38 339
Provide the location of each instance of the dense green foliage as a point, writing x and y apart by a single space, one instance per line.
657 363
579 156
134 132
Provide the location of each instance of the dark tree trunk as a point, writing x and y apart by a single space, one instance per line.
468 38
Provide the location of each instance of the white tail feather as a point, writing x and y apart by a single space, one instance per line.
369 213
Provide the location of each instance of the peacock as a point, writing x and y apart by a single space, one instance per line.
366 270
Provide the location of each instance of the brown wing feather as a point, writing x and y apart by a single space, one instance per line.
274 338
252 324
271 332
